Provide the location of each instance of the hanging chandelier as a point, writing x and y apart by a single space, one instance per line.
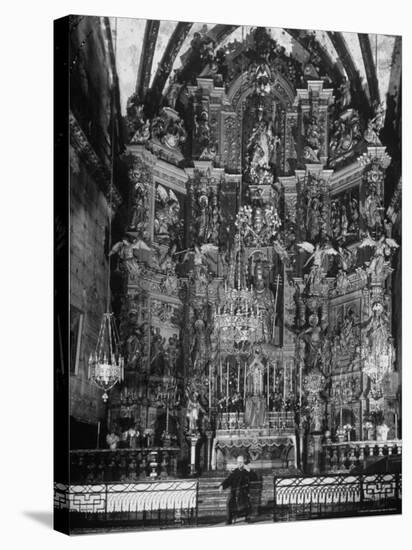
106 364
238 320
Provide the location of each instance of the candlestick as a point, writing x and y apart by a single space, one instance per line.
274 377
284 381
220 377
238 376
300 386
227 386
210 388
267 385
244 386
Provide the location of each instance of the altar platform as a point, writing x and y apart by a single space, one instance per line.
270 447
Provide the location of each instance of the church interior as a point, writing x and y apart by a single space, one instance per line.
235 259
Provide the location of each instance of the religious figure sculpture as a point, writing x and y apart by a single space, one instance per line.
167 128
193 410
312 140
255 406
260 148
137 124
383 249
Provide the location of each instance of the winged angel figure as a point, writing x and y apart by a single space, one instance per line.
383 249
202 255
319 256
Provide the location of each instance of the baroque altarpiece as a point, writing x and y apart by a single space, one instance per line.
232 235
256 265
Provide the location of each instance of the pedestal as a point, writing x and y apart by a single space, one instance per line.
193 442
209 435
317 447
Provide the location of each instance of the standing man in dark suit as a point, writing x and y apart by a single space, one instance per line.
238 502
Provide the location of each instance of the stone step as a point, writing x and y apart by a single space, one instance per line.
212 503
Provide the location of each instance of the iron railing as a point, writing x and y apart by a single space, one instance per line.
106 506
328 496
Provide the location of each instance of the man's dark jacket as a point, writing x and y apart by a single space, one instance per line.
239 483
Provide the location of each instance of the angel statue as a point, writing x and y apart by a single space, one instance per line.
203 255
383 249
125 248
319 255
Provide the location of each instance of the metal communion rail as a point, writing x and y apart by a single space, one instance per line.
328 496
132 505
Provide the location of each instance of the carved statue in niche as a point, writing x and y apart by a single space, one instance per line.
376 331
157 343
171 355
255 406
260 148
312 336
314 217
371 209
265 301
312 140
198 346
138 218
354 215
167 215
203 219
135 346
349 334
203 137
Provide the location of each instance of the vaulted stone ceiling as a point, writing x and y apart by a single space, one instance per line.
148 53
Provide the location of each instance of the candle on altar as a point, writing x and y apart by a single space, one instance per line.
300 386
210 388
274 377
220 377
227 384
284 381
267 386
238 376
244 383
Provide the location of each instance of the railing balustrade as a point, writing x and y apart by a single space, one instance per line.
346 455
123 465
